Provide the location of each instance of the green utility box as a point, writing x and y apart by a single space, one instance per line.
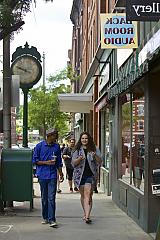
158 230
17 175
1 203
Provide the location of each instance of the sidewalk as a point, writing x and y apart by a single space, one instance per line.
109 222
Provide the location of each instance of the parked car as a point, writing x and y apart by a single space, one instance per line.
15 146
31 145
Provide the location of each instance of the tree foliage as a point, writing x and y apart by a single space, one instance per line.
126 116
44 105
72 75
12 13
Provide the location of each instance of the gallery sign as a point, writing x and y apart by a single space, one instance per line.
140 10
117 32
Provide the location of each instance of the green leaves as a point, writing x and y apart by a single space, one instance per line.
12 13
44 105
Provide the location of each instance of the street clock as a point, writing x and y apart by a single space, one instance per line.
27 64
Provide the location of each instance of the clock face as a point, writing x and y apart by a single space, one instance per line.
28 68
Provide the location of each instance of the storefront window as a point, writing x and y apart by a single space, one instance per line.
107 151
105 137
133 147
126 137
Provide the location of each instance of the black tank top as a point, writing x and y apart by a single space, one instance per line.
87 170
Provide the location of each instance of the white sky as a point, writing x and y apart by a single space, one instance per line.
48 28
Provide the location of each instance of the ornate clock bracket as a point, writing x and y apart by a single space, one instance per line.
20 51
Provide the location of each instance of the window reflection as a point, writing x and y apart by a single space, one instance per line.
138 163
126 138
125 157
107 150
133 147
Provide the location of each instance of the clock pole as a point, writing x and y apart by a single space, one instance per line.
6 93
25 117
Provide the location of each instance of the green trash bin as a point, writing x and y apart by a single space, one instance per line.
17 175
1 202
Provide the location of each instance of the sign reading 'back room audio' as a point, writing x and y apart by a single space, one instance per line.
143 10
117 32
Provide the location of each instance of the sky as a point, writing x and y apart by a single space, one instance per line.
48 28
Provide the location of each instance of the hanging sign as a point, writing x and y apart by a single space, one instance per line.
117 32
141 10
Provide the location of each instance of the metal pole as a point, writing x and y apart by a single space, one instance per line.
44 78
6 100
25 117
43 69
6 93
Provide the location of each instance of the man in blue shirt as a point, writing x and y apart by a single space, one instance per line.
47 157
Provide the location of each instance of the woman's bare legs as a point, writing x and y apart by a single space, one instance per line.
81 190
86 199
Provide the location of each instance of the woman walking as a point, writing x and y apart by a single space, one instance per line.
86 159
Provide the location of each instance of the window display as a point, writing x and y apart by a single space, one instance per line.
133 146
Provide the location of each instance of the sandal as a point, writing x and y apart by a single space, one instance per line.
88 220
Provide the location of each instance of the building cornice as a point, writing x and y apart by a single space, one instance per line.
76 8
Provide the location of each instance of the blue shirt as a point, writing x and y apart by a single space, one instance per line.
43 152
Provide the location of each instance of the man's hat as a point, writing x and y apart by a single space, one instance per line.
51 131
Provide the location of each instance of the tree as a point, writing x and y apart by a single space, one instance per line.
12 13
44 105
